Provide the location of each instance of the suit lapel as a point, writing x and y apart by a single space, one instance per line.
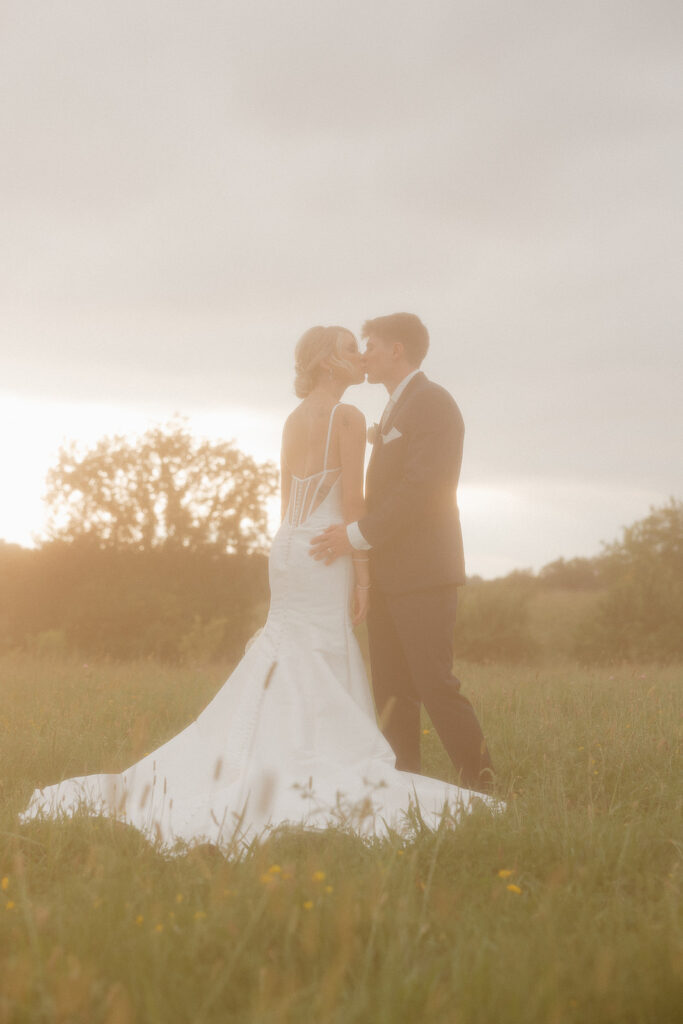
412 384
409 388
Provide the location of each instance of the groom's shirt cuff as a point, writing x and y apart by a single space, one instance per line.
356 538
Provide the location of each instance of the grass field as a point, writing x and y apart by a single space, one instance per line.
565 908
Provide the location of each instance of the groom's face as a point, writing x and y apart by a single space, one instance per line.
379 359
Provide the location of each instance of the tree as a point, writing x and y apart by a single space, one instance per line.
493 620
641 614
573 574
651 547
164 489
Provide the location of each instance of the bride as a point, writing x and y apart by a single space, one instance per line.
291 738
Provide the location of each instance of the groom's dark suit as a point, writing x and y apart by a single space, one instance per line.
416 565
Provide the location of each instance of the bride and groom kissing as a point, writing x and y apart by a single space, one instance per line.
411 530
291 738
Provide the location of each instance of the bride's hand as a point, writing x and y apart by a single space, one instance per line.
361 601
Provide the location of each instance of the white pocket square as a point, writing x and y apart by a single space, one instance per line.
393 435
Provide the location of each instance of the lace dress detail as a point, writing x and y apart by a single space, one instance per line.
291 737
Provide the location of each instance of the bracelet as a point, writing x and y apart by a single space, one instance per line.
358 587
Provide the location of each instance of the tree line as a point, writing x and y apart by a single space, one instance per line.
156 547
626 604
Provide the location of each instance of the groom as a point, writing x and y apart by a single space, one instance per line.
412 530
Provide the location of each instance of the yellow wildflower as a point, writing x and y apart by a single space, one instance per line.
9 905
505 872
318 876
308 905
179 897
275 869
329 888
199 915
425 732
139 919
158 927
513 888
4 885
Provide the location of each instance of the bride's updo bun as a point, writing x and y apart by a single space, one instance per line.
312 349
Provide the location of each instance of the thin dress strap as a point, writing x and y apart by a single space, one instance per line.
329 435
303 497
323 473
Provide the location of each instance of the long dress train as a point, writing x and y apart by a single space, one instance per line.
291 737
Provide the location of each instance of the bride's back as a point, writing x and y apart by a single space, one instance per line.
309 440
310 458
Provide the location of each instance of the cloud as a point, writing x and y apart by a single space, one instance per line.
190 186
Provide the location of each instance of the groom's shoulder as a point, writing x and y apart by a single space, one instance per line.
436 397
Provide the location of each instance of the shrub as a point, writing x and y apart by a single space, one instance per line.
641 613
493 621
51 643
127 603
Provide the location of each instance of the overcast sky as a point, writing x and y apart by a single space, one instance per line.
187 186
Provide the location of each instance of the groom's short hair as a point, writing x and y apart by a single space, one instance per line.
404 327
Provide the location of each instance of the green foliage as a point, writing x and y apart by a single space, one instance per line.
203 642
624 605
555 615
155 551
97 928
129 603
213 640
641 613
573 574
162 489
49 643
493 621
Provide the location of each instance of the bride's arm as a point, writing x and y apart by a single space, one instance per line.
285 483
352 459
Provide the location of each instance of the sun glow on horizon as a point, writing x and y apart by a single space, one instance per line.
39 428
509 524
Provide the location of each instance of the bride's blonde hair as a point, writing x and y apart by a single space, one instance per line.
312 349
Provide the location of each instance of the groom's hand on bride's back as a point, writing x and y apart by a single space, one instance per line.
331 544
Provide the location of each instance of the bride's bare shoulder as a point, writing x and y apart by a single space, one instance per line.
292 418
296 412
350 417
301 414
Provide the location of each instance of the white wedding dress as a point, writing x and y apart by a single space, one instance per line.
290 738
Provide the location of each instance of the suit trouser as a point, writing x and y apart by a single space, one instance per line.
411 655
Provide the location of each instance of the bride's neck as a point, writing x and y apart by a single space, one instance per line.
328 389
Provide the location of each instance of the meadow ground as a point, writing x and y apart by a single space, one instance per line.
565 908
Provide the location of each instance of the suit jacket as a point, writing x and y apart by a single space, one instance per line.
412 519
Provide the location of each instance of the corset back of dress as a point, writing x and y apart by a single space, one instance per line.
303 590
308 493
